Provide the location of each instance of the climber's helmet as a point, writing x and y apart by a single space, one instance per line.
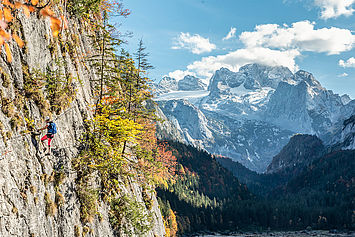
47 118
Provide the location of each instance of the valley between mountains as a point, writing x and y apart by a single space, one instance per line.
288 141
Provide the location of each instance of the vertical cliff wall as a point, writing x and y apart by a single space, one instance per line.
38 192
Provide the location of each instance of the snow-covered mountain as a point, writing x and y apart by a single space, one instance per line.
169 84
191 83
165 85
250 115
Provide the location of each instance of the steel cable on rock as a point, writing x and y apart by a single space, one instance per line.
4 151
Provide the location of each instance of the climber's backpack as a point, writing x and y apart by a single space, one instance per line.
52 128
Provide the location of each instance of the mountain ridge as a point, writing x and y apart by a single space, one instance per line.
283 102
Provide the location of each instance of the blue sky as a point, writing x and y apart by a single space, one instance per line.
190 36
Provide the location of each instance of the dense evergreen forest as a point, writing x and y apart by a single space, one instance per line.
321 197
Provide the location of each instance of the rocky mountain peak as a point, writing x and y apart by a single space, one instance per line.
252 76
266 76
224 77
345 99
168 83
191 83
307 77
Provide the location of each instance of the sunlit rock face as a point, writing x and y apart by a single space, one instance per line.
191 83
27 177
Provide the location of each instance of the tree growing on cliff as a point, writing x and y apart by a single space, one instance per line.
10 8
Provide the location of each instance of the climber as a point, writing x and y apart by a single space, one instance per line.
51 130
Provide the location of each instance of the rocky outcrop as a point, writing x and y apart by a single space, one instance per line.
169 83
165 85
345 137
38 193
166 129
191 83
194 127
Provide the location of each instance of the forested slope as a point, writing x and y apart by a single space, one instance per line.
319 195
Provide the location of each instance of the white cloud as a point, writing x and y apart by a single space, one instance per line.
348 63
335 8
277 45
179 74
343 75
234 60
231 34
301 36
195 43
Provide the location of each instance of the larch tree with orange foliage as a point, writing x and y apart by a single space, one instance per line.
10 8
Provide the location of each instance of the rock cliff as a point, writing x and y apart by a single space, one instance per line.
38 193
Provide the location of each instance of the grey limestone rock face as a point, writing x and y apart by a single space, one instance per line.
30 204
344 136
166 129
193 126
169 83
165 85
266 76
191 83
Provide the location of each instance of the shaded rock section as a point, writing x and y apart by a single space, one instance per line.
191 83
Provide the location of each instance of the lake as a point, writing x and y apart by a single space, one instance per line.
288 234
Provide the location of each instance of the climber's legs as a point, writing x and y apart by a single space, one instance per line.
48 137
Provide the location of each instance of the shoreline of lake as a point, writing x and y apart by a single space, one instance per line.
303 233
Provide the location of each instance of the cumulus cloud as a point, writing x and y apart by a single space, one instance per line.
335 8
301 36
348 63
179 74
234 60
231 34
278 45
343 75
195 43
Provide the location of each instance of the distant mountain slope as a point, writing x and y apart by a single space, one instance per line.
191 83
345 137
259 184
332 173
299 152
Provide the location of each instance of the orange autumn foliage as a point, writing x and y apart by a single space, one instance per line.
158 164
8 52
170 224
7 11
18 40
